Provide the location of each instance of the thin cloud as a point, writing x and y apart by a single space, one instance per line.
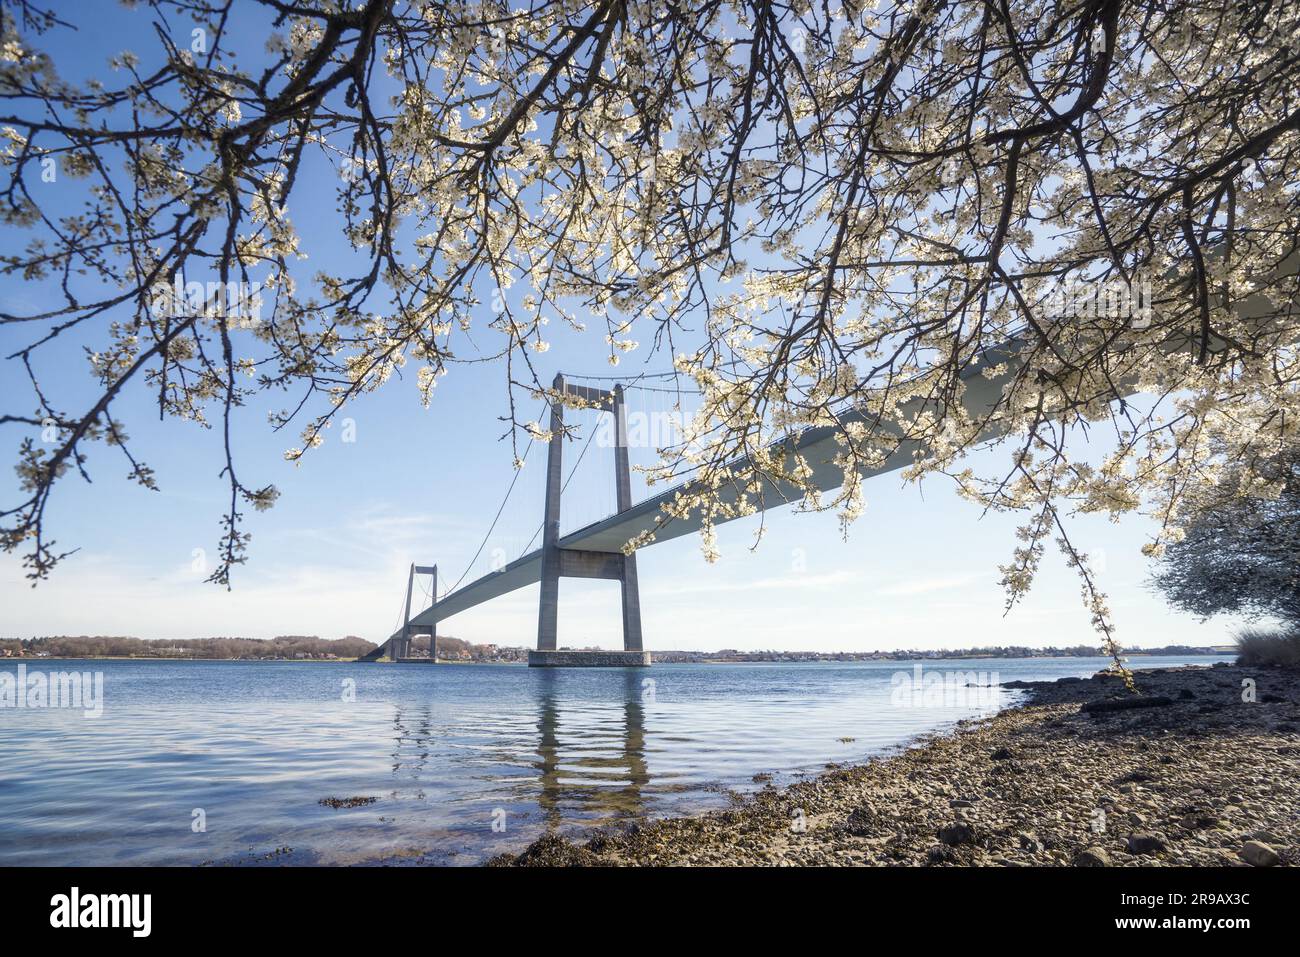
925 586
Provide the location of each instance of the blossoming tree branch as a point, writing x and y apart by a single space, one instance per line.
806 208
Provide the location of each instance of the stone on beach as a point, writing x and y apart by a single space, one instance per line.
957 833
861 822
1259 854
1092 857
1146 842
1030 843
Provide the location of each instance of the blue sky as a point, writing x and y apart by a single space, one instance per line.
919 569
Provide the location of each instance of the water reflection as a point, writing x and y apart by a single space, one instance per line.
593 766
565 754
413 746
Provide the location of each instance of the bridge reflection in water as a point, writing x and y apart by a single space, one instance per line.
541 750
600 772
486 760
558 756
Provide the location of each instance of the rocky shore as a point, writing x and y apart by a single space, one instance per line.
1205 772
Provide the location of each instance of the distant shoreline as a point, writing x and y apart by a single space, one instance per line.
453 650
930 656
703 658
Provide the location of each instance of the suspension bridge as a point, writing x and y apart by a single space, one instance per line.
595 550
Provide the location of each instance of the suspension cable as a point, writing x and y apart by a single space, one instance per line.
483 544
614 378
645 375
398 623
651 388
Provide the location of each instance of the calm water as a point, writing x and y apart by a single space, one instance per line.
447 751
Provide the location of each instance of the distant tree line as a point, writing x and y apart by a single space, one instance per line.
910 654
106 646
283 646
1072 651
458 649
289 646
1013 651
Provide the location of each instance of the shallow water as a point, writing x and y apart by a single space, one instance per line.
463 761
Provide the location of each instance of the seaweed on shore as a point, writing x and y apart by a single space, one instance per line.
337 803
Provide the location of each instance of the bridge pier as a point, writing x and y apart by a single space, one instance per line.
560 562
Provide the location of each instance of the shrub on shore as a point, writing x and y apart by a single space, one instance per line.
1259 648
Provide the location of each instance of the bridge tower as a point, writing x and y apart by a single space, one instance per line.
400 646
560 562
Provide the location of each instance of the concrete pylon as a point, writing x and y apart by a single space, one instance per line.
548 608
560 562
402 648
433 629
623 481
